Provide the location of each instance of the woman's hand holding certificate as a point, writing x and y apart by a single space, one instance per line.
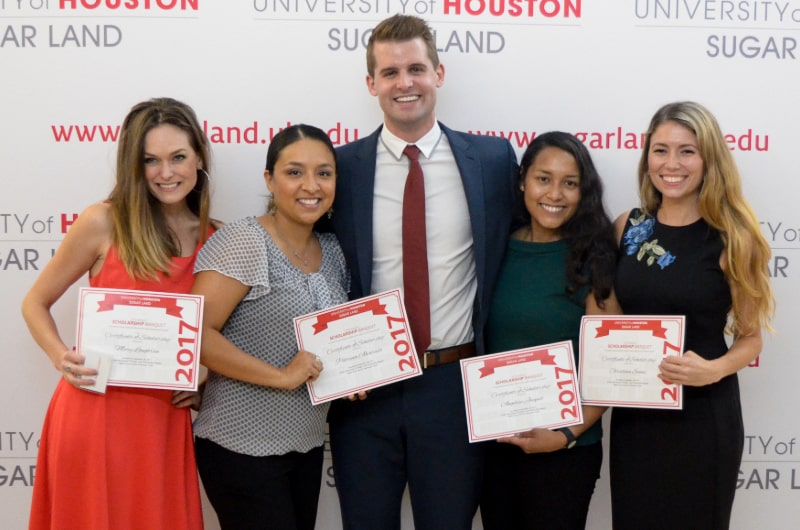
362 344
620 358
151 339
511 392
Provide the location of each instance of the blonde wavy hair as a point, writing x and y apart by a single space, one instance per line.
723 206
145 243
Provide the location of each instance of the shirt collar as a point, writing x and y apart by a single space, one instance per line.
426 144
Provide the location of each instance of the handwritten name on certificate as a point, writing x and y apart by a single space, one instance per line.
620 357
153 338
363 344
511 392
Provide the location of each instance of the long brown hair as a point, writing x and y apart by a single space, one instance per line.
144 241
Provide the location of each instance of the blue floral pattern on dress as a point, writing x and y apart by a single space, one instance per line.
635 241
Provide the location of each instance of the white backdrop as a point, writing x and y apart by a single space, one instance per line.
71 69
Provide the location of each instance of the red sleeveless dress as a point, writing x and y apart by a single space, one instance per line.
123 460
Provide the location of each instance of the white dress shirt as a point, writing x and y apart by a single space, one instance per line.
451 261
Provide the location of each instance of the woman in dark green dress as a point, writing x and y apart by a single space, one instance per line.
559 265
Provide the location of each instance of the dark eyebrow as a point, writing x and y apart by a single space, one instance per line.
176 152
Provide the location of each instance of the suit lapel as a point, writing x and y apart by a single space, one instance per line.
471 169
362 189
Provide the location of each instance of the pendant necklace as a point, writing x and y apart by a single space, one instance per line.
302 257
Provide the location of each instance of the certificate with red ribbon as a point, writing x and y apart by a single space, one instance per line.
511 392
152 339
620 357
362 344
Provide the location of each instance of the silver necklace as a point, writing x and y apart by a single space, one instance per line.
302 257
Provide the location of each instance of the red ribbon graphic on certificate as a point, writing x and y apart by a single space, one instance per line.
111 300
653 326
490 365
324 319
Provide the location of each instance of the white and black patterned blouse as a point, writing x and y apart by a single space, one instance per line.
252 419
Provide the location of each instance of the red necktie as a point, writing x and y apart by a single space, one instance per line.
415 254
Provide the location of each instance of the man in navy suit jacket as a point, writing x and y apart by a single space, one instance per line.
414 432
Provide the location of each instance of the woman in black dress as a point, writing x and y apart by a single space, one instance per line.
693 248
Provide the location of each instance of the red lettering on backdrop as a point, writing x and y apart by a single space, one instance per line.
66 222
165 5
515 8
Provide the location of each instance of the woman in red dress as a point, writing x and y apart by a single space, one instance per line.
125 459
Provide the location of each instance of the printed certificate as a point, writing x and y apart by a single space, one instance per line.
511 392
152 339
363 344
620 357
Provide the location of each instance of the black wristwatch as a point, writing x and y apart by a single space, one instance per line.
571 440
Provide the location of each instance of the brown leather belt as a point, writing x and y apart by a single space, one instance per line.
432 358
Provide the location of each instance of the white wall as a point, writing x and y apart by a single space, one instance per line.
512 66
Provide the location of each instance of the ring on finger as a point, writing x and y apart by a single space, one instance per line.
68 368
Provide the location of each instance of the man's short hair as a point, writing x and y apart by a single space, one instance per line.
400 28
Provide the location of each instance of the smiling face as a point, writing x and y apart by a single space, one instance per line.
405 83
552 190
303 181
170 164
674 163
